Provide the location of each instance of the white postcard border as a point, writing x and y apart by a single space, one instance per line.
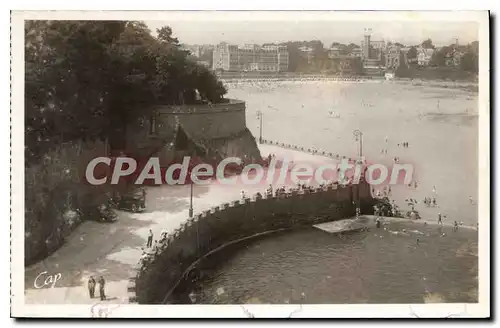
19 308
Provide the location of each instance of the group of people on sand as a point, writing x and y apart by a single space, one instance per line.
92 284
430 201
443 217
404 144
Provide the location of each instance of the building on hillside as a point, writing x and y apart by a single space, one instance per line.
250 57
194 50
356 52
372 54
392 56
378 46
371 49
204 63
307 52
453 58
424 56
306 49
344 64
365 45
334 52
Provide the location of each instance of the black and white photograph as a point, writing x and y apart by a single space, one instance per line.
163 161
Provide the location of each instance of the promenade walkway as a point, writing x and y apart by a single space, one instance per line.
111 250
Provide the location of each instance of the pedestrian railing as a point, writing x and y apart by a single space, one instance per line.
309 150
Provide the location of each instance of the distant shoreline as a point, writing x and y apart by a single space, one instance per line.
299 78
468 85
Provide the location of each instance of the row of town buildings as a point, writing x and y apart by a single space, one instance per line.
274 58
250 57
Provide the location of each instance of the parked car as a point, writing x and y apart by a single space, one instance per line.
132 201
102 213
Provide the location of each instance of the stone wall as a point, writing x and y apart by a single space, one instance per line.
220 129
55 193
159 273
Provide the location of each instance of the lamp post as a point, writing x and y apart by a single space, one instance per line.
191 201
359 137
259 117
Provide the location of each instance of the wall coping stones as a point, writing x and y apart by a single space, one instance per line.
234 105
153 254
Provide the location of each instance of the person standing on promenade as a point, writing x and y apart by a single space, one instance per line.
91 286
150 239
101 288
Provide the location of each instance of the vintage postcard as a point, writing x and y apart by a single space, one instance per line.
281 164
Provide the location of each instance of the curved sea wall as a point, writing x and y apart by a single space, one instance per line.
218 130
155 278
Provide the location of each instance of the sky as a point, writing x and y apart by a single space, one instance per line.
250 29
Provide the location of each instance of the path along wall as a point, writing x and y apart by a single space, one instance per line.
157 275
219 130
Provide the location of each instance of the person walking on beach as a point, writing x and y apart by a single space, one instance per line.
91 286
150 239
101 288
440 221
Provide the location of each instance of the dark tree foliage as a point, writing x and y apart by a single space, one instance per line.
439 56
402 70
88 79
412 53
470 60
